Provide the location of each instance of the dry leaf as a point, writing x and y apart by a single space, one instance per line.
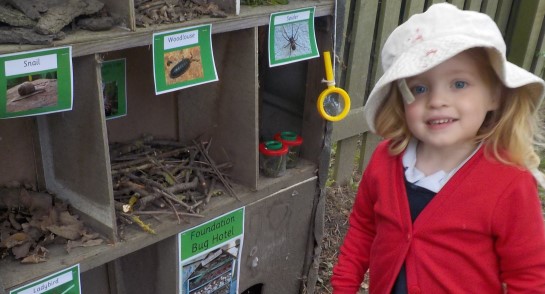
73 244
21 250
65 218
71 232
15 239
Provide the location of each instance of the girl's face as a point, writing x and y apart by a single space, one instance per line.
451 103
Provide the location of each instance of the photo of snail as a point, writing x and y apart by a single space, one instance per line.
31 92
183 65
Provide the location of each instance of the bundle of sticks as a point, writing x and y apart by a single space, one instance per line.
157 177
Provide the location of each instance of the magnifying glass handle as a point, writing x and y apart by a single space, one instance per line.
328 69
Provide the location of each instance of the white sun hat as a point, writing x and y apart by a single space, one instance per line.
430 38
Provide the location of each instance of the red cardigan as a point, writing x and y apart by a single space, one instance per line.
483 228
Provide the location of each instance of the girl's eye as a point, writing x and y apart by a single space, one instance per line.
460 84
419 89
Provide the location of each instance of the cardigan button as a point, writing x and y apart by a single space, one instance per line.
414 290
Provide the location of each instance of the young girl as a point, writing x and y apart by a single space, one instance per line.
449 201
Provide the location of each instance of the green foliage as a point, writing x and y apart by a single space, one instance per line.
264 2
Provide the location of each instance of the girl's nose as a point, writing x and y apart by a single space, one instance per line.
437 98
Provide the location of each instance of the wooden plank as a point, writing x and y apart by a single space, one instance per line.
502 15
275 236
526 31
360 53
539 62
490 8
344 159
19 138
369 144
313 125
389 20
74 151
413 7
360 50
436 1
96 281
122 9
87 42
345 127
458 3
152 269
474 5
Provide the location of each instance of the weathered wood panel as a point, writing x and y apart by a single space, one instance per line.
526 33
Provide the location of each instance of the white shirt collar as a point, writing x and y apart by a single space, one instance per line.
433 182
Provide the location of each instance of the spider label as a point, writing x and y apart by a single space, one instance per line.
292 37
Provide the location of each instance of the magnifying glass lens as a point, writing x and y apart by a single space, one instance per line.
333 104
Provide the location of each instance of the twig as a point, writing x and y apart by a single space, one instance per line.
218 173
159 212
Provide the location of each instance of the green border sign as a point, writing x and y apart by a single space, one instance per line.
292 37
50 70
211 234
66 281
114 88
183 58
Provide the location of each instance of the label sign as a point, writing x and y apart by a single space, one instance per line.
292 37
181 40
211 234
36 82
210 255
29 65
64 282
183 58
114 88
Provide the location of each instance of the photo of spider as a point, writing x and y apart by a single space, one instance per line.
291 40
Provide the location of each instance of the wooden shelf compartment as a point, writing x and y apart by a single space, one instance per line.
63 153
288 95
224 111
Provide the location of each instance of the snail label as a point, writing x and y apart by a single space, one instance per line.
36 82
65 281
210 254
29 65
183 58
292 37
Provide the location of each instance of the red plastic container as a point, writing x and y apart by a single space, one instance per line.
293 142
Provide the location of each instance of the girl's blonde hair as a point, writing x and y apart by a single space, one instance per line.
512 134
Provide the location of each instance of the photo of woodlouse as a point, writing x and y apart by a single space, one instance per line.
183 65
291 40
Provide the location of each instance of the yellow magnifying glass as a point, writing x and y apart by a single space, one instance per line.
333 103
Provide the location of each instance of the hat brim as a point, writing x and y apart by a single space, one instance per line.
425 55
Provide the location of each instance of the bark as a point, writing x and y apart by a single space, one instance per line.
26 36
59 16
14 17
27 7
